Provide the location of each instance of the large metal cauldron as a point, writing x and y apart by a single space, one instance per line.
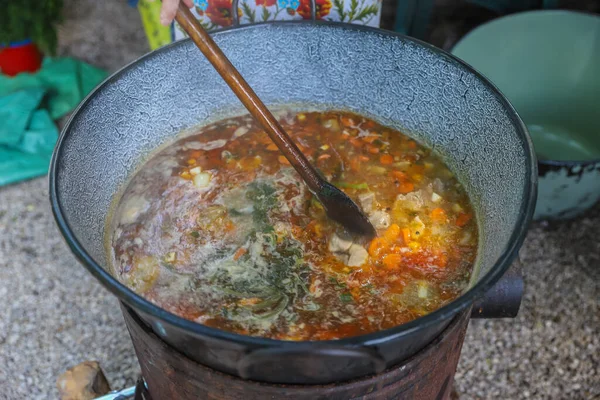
393 79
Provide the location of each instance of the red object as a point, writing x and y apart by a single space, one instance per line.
20 57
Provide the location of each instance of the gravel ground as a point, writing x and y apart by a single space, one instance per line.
57 315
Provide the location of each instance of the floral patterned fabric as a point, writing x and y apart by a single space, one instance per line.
216 14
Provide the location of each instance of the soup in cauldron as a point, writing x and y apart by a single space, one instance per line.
218 228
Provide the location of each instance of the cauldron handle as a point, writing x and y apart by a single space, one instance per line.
503 300
301 361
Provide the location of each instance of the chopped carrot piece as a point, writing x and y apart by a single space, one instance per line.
386 159
354 164
392 261
438 215
363 158
372 149
249 302
310 225
406 235
369 139
283 160
313 287
392 233
401 176
376 246
412 144
355 142
272 147
406 187
463 219
324 156
240 252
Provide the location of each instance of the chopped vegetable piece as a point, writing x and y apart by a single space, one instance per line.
202 180
401 176
438 215
406 235
240 252
377 247
422 290
386 159
392 233
186 175
372 149
332 124
392 261
195 171
170 257
406 187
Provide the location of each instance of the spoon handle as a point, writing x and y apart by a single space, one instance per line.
249 99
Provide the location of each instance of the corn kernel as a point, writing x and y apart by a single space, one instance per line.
185 175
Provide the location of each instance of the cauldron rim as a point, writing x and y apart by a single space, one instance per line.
465 300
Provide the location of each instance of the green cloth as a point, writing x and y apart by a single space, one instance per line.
28 105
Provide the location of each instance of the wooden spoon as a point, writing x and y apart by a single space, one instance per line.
338 206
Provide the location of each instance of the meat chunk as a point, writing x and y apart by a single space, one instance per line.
340 243
380 219
367 201
357 255
412 201
351 254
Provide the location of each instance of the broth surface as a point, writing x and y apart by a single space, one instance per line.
218 228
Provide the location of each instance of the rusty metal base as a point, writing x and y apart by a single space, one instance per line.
428 375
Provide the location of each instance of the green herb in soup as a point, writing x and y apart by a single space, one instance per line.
219 229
